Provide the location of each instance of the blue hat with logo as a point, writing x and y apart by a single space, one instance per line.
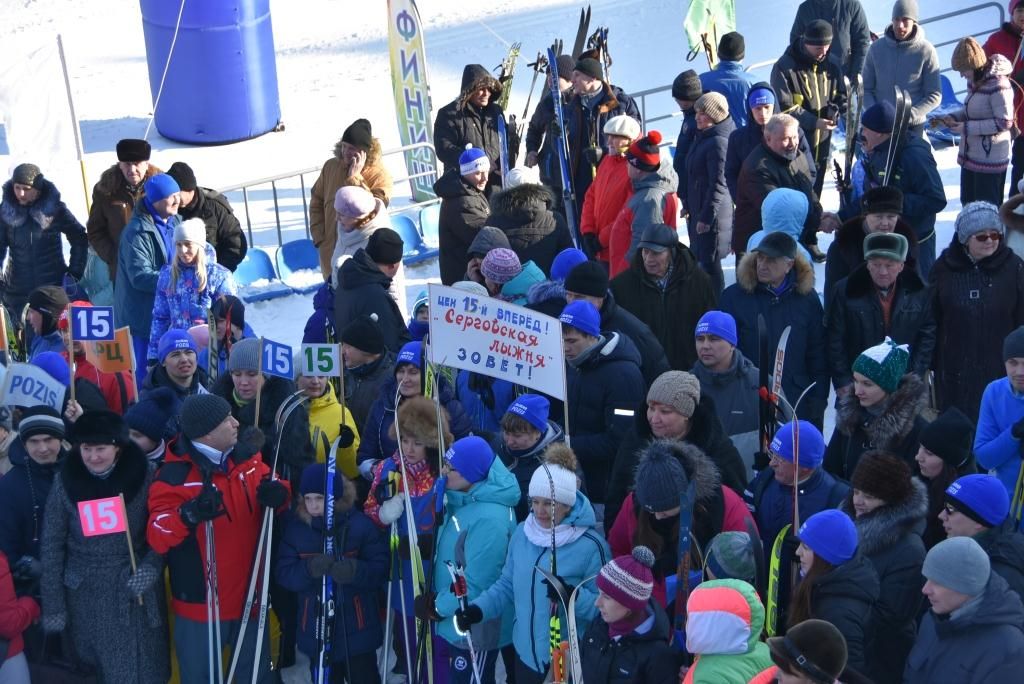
175 339
831 534
719 324
812 444
583 316
566 260
759 97
160 187
411 352
982 498
532 408
472 456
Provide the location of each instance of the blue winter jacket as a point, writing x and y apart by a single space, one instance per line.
46 343
687 134
478 525
729 79
140 255
521 589
916 174
23 492
321 321
357 618
484 399
995 447
180 306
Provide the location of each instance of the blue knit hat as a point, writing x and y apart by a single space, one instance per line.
472 160
172 340
583 316
884 364
831 534
411 352
812 444
879 117
314 480
151 414
566 260
55 365
719 324
982 498
472 456
532 408
760 96
160 187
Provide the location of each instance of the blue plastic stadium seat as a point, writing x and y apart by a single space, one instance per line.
948 94
430 217
298 255
414 251
257 266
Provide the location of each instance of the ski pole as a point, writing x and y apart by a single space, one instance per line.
389 612
461 592
213 608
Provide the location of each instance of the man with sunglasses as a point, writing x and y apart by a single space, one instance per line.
977 506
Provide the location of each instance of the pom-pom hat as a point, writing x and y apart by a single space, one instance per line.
644 153
628 580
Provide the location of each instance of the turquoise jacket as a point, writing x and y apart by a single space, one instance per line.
515 290
477 527
521 588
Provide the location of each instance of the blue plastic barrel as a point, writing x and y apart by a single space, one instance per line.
221 84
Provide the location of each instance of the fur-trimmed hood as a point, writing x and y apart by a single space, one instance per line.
746 274
886 526
474 77
698 467
895 422
112 180
342 504
373 156
418 416
42 211
523 213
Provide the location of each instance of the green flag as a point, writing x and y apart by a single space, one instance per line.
714 17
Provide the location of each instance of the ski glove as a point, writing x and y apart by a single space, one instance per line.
464 619
591 245
345 437
27 569
207 506
143 579
553 595
250 441
54 622
344 571
319 565
271 494
423 607
593 155
391 510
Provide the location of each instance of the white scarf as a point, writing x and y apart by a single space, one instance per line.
541 536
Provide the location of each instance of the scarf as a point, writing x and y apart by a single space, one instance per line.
628 624
541 536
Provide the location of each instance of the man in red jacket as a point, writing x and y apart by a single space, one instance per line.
210 475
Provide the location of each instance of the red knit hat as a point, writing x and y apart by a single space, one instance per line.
628 579
644 153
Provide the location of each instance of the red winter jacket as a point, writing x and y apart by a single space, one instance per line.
604 199
178 480
16 614
620 537
1006 42
118 389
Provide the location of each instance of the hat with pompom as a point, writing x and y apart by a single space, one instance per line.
472 160
629 579
644 153
884 364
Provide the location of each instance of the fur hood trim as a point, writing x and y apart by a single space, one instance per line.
342 504
885 430
885 527
698 467
746 274
112 180
525 199
474 77
42 211
372 157
418 416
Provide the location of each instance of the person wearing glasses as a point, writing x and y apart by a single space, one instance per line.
978 299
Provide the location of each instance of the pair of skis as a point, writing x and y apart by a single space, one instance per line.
567 602
562 146
844 175
327 607
899 129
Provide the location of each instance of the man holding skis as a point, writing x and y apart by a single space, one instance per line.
212 480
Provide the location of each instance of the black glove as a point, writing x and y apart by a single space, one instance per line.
423 607
554 130
143 579
318 565
271 494
591 245
344 571
250 441
553 593
464 619
27 569
207 506
345 437
1018 429
593 155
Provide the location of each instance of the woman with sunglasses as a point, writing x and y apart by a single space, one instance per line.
979 300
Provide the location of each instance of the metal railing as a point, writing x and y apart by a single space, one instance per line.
956 23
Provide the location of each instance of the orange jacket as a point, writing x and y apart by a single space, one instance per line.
604 199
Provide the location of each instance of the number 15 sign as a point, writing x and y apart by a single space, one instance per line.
102 516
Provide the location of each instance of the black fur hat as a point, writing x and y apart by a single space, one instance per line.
99 427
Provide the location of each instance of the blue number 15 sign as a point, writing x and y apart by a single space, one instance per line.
277 359
92 323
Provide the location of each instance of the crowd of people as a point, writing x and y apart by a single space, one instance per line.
673 516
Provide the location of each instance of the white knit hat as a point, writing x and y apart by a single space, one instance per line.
191 230
563 481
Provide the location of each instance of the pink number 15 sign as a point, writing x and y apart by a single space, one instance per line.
102 516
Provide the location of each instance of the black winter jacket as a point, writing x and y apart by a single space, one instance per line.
707 196
464 211
976 306
363 289
539 140
363 383
687 133
846 252
646 658
706 433
855 322
895 430
23 493
798 307
535 232
604 389
890 538
223 231
32 236
1005 549
983 645
809 90
762 172
851 35
846 597
615 318
460 123
671 313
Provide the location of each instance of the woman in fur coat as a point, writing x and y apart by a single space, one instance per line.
883 412
888 506
116 618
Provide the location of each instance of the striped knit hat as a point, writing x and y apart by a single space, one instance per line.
884 364
628 579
